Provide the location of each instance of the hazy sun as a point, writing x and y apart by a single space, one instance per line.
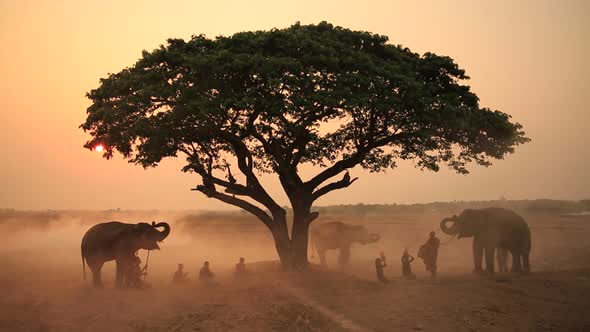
99 148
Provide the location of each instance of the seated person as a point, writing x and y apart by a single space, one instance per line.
180 276
134 272
241 267
205 273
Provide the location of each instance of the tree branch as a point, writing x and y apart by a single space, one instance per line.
345 182
232 188
231 185
252 189
272 149
244 158
258 212
336 169
353 160
252 131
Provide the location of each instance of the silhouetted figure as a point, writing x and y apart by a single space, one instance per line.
205 273
379 265
134 272
429 253
340 236
118 241
407 260
502 257
241 267
180 276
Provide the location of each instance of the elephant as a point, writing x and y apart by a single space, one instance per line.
338 235
118 241
491 229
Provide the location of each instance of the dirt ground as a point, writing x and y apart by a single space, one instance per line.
42 289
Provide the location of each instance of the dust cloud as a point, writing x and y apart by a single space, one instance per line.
43 288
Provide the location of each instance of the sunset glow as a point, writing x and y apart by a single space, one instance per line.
513 48
305 165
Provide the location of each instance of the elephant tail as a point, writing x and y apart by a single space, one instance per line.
312 240
83 263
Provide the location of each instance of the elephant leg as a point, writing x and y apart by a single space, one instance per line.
502 256
506 257
322 255
477 256
96 279
96 274
516 267
500 260
526 267
344 256
490 259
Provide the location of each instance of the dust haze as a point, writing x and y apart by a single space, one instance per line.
44 290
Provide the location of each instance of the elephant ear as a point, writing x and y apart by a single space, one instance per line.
468 214
136 229
357 228
140 228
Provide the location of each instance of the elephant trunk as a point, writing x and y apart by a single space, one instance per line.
449 230
165 232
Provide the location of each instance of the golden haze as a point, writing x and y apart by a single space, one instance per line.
526 58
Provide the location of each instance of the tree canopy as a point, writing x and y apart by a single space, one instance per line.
270 101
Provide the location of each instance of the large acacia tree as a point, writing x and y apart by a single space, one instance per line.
271 101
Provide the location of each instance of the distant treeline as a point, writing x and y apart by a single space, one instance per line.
525 206
46 218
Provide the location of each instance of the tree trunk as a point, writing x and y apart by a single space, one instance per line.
292 252
299 240
300 236
280 235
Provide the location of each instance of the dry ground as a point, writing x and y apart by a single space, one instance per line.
42 289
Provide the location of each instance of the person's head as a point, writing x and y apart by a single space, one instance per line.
242 260
406 251
180 266
377 260
432 234
206 264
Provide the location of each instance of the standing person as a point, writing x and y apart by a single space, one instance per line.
502 256
241 267
180 276
429 253
205 273
407 259
379 265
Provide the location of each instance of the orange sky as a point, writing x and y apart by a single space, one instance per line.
526 58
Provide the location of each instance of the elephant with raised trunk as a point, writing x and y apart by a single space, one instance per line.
338 235
492 228
118 241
